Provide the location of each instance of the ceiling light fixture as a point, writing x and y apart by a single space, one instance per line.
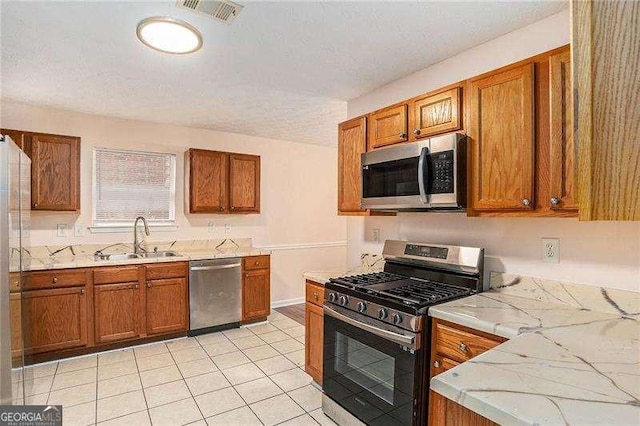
169 35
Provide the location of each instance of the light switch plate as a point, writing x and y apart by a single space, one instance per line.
211 227
78 230
376 235
227 228
63 229
551 250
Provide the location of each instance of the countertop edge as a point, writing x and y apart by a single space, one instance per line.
474 323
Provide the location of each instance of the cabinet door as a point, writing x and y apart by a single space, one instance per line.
501 131
207 177
244 183
54 319
166 306
256 294
313 349
55 172
352 142
15 308
438 113
116 310
388 126
561 150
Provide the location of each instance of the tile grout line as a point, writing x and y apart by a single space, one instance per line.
185 381
144 395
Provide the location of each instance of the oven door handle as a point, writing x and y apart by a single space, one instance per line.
400 339
421 178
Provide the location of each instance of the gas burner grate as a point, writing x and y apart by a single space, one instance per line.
425 292
364 280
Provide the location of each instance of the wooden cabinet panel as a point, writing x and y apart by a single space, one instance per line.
256 294
116 312
440 364
460 345
166 306
167 270
55 279
444 412
387 127
314 293
206 173
437 113
54 319
606 65
15 318
244 183
501 130
15 282
352 142
55 172
256 262
116 274
314 334
561 150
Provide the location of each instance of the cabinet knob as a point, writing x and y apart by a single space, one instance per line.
233 207
463 347
436 364
555 201
315 296
83 291
403 135
416 132
148 285
221 208
54 280
526 202
35 205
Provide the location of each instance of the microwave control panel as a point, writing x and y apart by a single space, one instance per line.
443 173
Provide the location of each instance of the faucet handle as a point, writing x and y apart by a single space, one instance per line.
155 249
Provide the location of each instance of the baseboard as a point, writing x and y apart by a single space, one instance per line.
287 302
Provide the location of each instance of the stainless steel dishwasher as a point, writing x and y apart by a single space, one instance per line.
215 295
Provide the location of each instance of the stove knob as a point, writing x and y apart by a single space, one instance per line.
332 297
382 313
362 307
397 319
344 300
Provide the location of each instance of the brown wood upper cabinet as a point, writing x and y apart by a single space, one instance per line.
55 169
501 139
436 113
352 142
562 194
222 182
256 288
387 126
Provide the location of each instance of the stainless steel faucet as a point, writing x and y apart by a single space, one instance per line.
137 245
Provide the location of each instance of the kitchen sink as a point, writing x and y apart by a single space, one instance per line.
144 255
158 254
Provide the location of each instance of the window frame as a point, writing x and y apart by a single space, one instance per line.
120 226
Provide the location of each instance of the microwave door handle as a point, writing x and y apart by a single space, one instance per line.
400 339
422 161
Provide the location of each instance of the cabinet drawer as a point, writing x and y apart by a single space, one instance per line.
55 279
440 364
167 270
119 274
14 282
255 262
314 293
461 345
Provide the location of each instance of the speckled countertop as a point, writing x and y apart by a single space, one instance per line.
368 263
81 256
573 357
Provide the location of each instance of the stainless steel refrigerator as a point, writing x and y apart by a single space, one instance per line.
15 206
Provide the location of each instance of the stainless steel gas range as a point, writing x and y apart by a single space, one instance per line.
377 331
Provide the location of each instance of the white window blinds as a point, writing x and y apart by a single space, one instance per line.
128 184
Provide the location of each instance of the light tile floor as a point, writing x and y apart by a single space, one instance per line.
253 375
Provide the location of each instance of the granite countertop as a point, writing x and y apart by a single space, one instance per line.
573 357
82 256
368 263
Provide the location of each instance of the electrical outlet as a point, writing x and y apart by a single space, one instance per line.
78 230
551 250
227 228
376 235
211 227
63 229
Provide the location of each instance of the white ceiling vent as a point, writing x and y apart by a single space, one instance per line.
220 10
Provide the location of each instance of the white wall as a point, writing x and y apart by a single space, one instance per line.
600 253
298 200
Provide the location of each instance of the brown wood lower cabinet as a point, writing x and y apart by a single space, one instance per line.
256 288
116 310
314 330
452 344
15 308
54 319
166 306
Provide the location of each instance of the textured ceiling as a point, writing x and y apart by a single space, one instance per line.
282 70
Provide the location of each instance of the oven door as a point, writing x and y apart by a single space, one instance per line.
372 377
396 178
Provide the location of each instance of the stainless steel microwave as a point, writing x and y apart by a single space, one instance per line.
426 175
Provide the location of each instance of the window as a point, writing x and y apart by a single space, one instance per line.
128 184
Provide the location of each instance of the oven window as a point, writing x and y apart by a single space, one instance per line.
391 179
365 366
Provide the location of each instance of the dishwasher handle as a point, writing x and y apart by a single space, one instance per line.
213 268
